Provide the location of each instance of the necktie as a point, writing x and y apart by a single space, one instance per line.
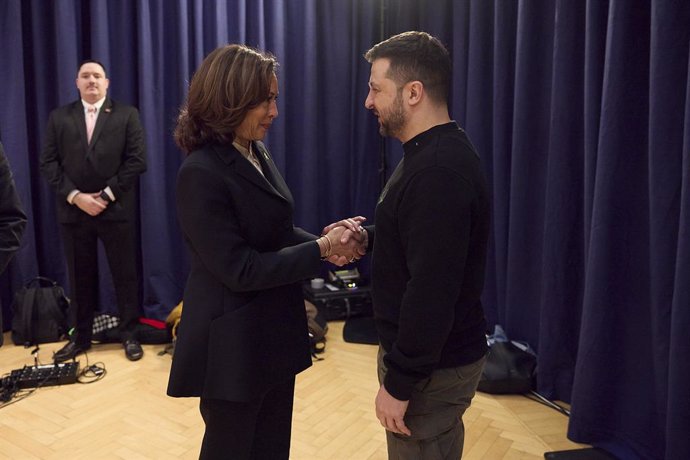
90 121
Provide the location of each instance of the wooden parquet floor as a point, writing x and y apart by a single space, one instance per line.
127 415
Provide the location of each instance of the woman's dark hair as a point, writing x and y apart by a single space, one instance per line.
230 81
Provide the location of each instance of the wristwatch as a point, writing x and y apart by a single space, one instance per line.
105 197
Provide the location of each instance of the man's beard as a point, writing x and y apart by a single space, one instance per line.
393 120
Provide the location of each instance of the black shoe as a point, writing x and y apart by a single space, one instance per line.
133 350
69 351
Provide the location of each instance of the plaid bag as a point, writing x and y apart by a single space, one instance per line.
104 322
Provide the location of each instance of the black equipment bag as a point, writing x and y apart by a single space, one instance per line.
508 370
341 303
39 313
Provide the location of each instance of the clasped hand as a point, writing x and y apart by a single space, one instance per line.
348 240
90 203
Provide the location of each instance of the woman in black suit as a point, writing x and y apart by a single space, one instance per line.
243 336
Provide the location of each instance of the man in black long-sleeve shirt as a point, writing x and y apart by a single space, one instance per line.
429 254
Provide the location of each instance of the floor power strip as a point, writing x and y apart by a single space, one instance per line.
46 375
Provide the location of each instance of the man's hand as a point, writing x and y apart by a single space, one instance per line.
90 203
391 411
354 224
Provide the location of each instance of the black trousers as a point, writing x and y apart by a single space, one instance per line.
257 430
81 251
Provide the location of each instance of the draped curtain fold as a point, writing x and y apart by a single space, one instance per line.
580 111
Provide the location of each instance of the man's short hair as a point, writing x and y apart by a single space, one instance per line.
91 61
416 56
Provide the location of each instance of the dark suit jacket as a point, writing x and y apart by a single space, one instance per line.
243 324
12 218
115 157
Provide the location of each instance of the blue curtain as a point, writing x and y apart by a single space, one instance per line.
579 109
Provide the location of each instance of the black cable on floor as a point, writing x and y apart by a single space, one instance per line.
534 396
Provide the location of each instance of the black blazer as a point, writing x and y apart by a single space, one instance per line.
12 217
243 324
115 157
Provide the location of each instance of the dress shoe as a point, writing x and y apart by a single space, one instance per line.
69 351
133 350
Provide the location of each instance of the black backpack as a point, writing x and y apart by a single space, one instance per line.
39 313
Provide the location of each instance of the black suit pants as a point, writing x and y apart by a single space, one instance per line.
81 252
256 430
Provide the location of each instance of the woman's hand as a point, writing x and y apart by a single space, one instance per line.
346 246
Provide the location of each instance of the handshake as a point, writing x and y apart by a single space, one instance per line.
344 242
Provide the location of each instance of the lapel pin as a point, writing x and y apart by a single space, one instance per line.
107 110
